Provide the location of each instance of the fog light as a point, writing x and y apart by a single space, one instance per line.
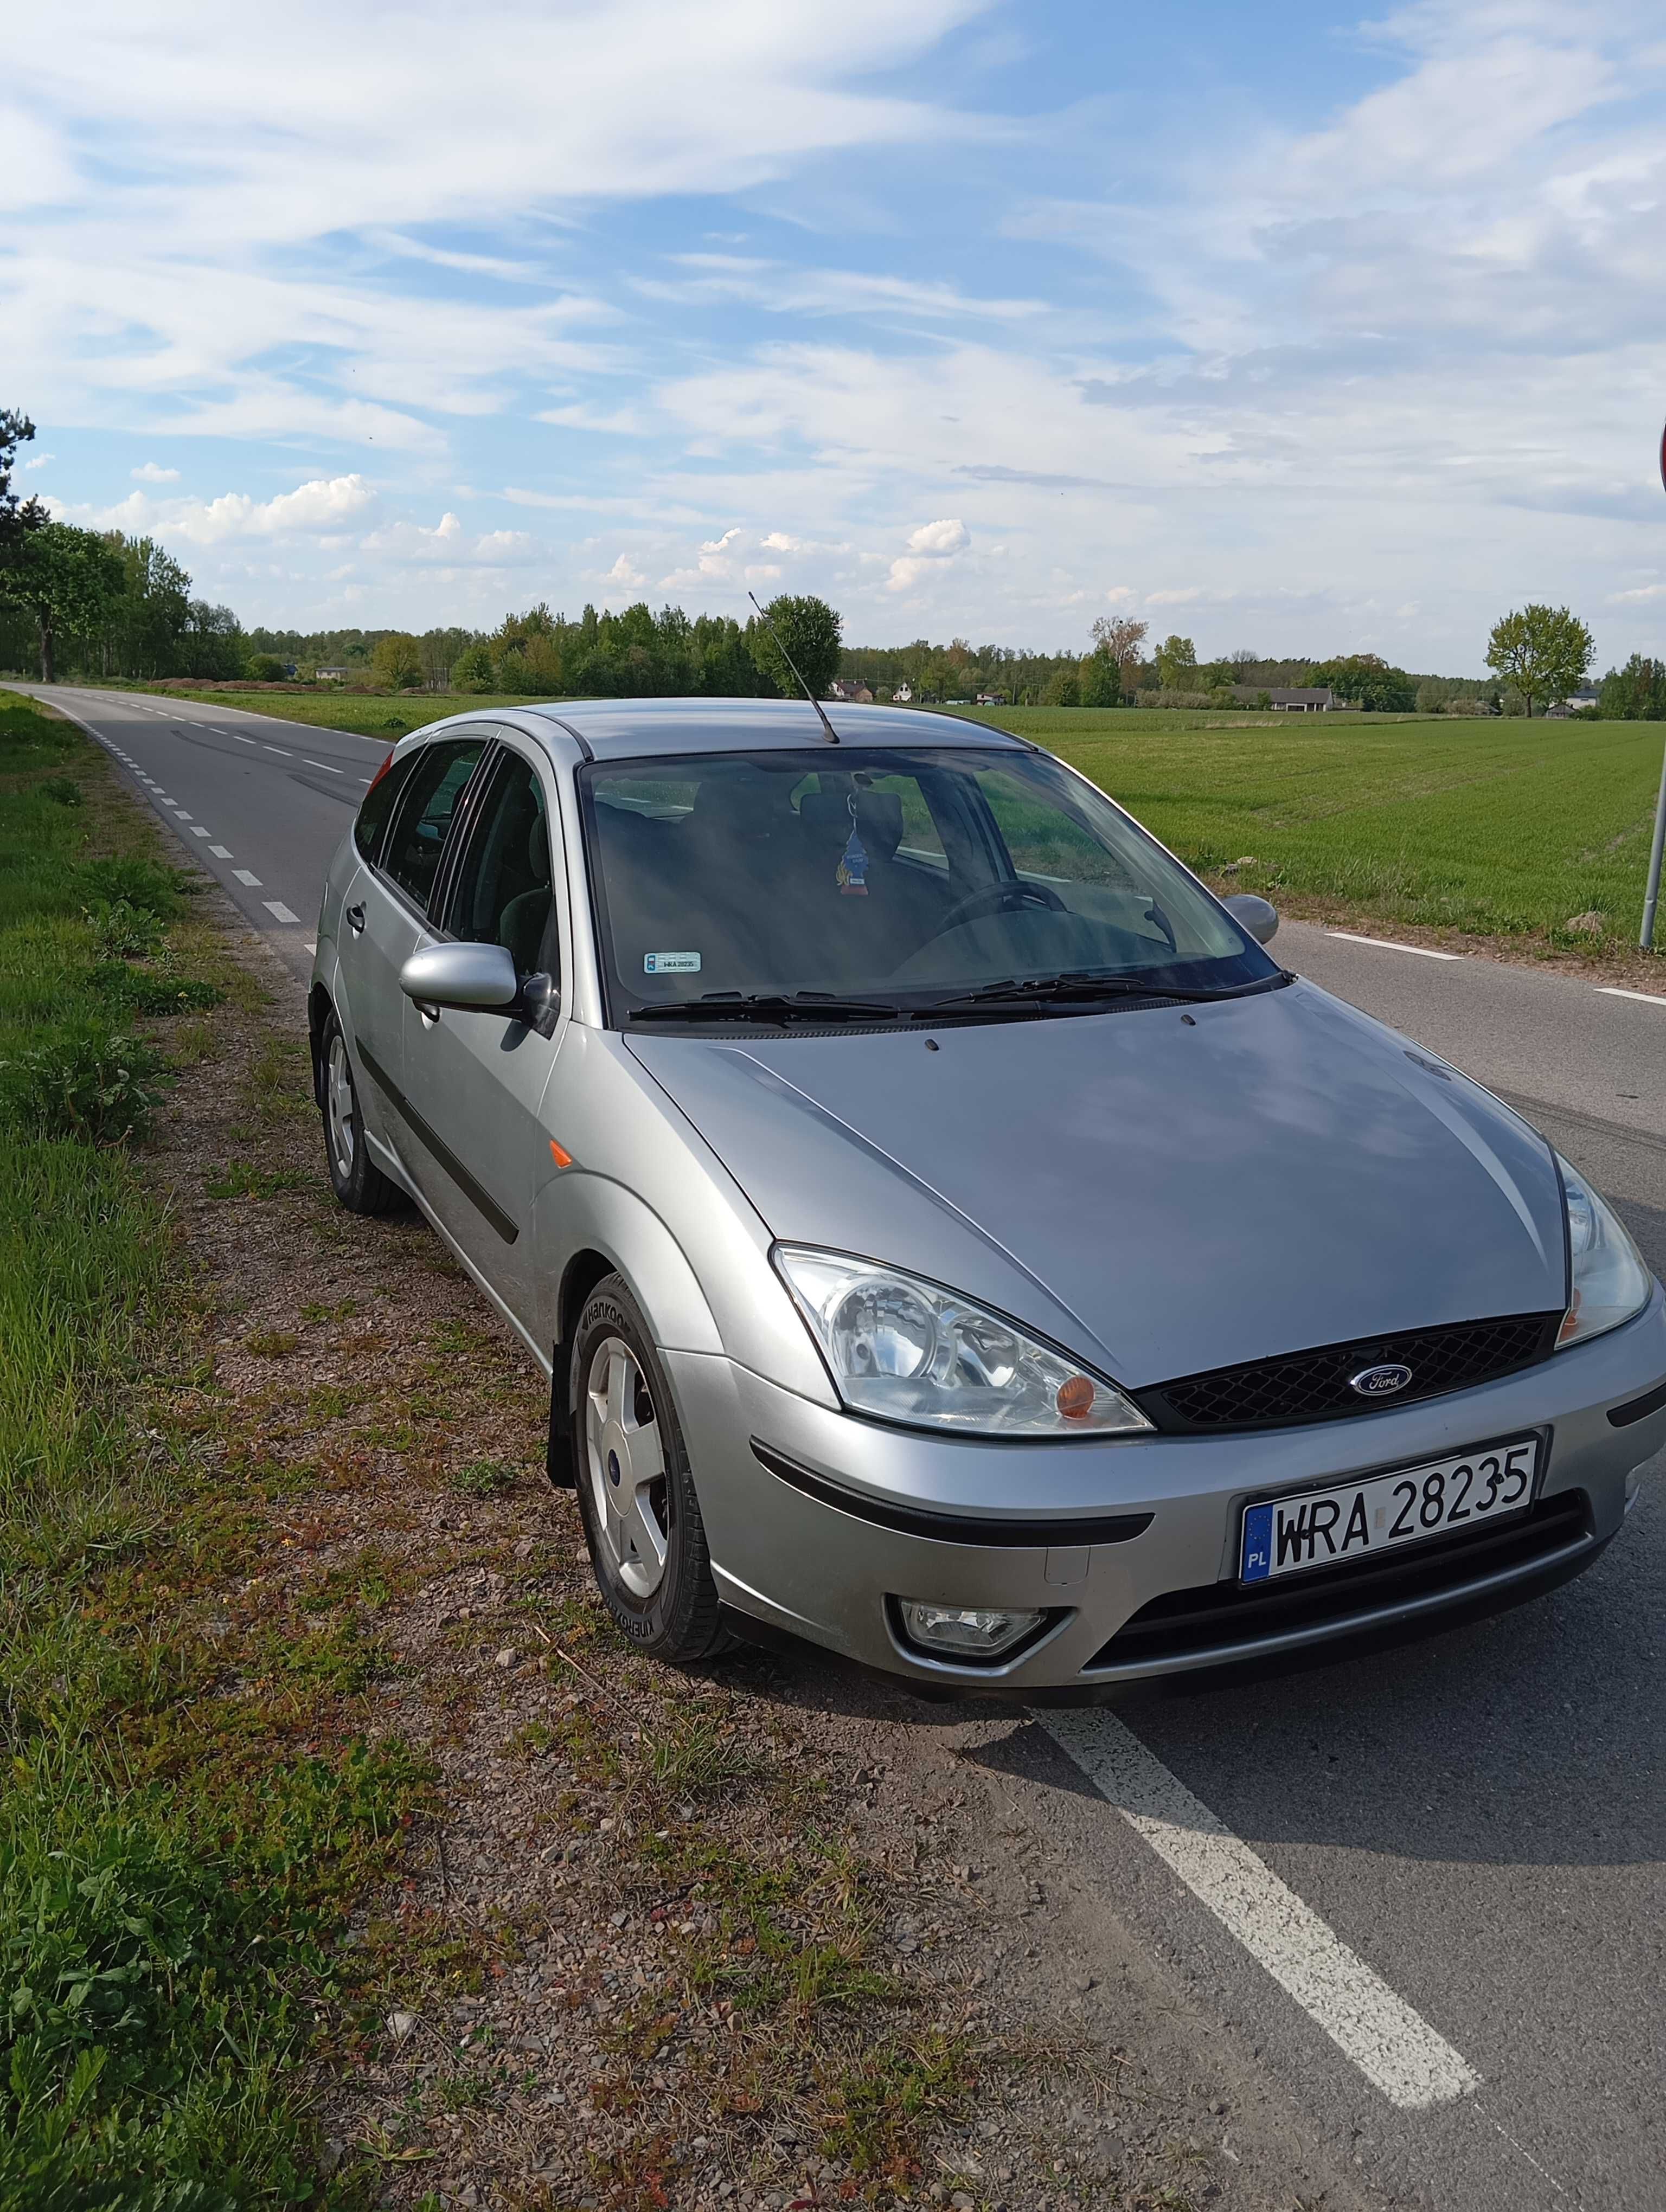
967 1631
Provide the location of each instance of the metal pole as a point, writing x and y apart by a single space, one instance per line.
1651 895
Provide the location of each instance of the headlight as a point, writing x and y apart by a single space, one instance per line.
1611 1281
905 1350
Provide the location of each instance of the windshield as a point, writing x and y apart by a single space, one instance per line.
899 881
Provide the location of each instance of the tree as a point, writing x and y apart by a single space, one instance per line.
1100 680
397 661
1366 680
1635 693
1120 639
473 669
1177 663
18 517
67 579
265 668
1063 689
1543 651
810 630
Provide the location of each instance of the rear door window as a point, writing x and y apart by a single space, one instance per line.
376 812
428 805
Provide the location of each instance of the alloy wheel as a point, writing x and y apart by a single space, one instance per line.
340 1109
625 1465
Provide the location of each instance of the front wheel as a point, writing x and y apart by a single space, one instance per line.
356 1180
636 1498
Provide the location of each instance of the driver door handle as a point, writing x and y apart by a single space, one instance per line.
354 919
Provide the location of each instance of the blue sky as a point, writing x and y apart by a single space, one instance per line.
1281 326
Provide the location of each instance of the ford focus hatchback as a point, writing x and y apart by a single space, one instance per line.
952 1237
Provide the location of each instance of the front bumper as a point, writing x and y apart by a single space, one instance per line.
1096 1533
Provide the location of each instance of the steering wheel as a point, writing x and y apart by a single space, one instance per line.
995 898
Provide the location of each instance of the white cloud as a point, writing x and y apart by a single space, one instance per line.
942 538
148 472
626 574
40 460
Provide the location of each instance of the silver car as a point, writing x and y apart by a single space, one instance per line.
952 1237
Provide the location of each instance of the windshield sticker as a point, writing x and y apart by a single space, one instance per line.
670 963
851 875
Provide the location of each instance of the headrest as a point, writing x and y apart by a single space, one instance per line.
537 850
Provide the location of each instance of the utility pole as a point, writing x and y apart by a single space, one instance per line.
1652 895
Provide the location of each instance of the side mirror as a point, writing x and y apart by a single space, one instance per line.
471 978
540 1003
1256 914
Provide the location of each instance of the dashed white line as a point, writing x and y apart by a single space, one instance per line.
220 852
324 765
240 739
311 946
244 876
1392 2045
197 831
278 911
1389 944
277 749
1613 991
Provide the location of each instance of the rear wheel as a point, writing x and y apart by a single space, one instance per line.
356 1180
637 1497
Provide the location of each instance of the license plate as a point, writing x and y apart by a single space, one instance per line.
1357 1521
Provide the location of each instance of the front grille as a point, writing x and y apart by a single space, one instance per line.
1314 1386
1219 1615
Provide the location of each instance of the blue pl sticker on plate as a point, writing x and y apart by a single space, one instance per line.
670 963
1257 1562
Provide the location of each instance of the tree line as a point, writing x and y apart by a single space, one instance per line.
110 605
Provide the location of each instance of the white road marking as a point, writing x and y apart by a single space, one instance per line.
311 946
178 809
197 831
1392 2045
364 779
1388 945
324 765
1613 991
220 852
278 911
277 749
240 739
244 876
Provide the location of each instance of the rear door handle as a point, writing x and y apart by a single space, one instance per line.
356 918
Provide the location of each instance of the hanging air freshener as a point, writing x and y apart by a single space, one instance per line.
852 874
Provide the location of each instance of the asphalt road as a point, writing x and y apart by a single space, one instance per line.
1476 1822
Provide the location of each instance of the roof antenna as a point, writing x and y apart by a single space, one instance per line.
832 734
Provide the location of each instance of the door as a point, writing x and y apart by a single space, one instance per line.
476 1080
384 921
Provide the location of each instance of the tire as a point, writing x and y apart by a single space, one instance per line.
637 1497
356 1180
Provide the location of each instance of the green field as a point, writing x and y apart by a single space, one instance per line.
1497 828
1501 828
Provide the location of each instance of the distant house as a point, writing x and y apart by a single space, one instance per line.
903 694
854 692
992 699
1575 703
1298 699
332 674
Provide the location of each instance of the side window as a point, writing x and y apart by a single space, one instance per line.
377 809
503 894
422 821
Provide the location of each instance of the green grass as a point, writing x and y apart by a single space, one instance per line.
388 715
1503 828
172 1873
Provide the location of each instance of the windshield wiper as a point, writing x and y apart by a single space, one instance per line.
1071 984
773 1006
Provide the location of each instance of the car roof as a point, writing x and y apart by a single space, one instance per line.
625 729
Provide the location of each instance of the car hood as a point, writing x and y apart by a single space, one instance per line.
1166 1191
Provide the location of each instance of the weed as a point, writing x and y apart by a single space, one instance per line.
87 1082
332 1402
343 1311
122 931
62 791
271 1343
151 991
137 884
242 1179
875 2109
484 1478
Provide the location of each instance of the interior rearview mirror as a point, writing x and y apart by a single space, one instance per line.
470 978
1257 915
